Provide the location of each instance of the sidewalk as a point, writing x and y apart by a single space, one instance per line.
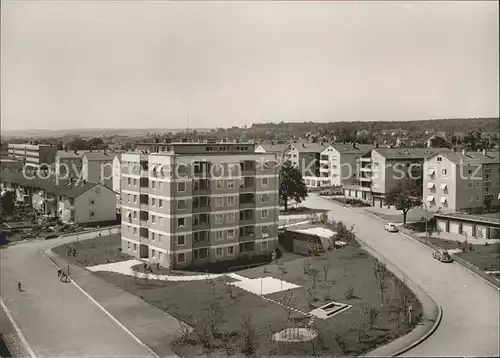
153 327
395 216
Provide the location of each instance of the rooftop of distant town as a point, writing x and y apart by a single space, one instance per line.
409 153
309 147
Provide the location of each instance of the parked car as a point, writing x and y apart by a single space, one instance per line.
390 227
442 255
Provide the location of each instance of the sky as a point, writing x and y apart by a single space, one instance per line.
160 64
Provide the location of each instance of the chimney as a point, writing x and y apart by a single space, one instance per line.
76 152
303 145
484 152
376 145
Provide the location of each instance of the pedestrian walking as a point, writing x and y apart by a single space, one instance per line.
59 273
19 286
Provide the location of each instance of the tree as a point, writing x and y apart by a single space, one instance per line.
292 185
381 274
404 197
78 143
7 204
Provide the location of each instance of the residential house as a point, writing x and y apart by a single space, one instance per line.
380 170
98 167
199 203
338 163
69 163
279 150
306 157
72 200
85 203
462 181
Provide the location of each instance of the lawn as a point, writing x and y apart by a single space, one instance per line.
485 257
201 303
102 250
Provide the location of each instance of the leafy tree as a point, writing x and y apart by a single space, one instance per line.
292 185
7 204
404 196
78 144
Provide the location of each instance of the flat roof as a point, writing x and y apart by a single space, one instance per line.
493 218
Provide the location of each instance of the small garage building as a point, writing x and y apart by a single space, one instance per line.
486 226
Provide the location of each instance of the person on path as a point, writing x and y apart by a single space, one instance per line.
59 273
19 286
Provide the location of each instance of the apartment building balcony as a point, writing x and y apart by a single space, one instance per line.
365 179
144 183
365 169
324 168
247 217
201 186
247 201
144 233
201 221
201 169
143 217
365 160
248 184
248 167
201 204
201 238
247 233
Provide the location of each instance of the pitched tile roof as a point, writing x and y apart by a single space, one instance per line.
473 157
409 153
63 187
275 148
100 156
348 148
308 147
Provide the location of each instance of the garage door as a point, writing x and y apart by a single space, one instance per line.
481 232
442 225
467 229
454 227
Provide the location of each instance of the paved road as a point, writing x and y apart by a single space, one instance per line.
470 325
57 319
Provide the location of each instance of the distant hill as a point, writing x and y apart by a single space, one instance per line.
94 132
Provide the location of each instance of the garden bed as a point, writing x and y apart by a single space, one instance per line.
238 314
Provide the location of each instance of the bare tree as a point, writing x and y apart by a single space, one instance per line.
305 267
381 274
146 278
287 301
272 347
326 268
215 316
249 346
313 273
372 315
311 295
403 297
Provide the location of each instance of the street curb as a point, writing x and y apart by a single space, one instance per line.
50 260
431 312
466 265
18 331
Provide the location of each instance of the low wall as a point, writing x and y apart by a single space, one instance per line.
92 234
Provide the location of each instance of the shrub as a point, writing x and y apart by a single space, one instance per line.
349 293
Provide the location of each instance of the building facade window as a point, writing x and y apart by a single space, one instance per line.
181 240
181 222
181 187
181 258
264 214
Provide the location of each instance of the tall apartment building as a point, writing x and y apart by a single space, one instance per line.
40 156
306 157
462 181
199 203
338 163
380 170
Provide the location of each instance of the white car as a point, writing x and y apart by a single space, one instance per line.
390 227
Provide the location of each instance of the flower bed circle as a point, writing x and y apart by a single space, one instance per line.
293 335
